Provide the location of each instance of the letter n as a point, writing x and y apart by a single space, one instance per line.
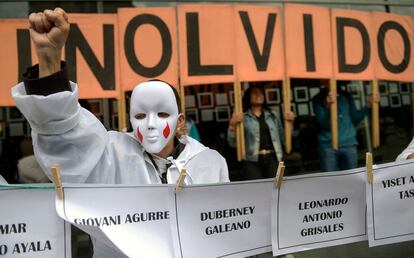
24 52
104 74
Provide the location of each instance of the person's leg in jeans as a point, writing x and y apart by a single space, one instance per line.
328 159
269 165
348 157
251 170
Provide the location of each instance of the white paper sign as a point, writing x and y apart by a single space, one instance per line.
319 210
390 204
135 219
222 220
29 225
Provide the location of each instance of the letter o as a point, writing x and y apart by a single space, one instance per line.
402 66
130 54
246 224
3 249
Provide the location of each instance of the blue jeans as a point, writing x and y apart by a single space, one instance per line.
342 159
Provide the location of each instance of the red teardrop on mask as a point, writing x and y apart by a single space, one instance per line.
139 135
166 131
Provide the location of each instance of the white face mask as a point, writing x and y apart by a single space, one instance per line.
153 114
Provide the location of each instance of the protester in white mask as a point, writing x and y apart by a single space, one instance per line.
64 133
154 115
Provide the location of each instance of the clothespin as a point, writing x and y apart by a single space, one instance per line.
369 167
58 181
279 174
180 180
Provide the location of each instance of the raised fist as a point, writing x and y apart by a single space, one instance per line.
49 31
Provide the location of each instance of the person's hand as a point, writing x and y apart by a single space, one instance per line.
289 116
49 31
330 98
236 118
411 156
375 98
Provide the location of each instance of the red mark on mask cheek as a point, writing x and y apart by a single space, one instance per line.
139 135
166 131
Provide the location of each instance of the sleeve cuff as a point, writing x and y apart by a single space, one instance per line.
51 84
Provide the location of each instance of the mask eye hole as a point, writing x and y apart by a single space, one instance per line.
140 116
163 115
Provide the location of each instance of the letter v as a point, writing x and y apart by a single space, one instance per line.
261 59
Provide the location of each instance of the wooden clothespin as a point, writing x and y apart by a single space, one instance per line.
180 180
58 181
369 167
279 174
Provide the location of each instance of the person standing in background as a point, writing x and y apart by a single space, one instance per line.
346 157
263 135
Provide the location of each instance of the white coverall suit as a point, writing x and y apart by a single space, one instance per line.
64 133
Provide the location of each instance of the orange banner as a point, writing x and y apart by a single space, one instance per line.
218 44
394 59
308 41
90 34
259 43
92 47
206 42
353 45
148 45
16 56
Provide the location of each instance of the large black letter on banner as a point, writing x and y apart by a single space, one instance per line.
104 74
392 25
261 60
341 23
129 41
309 47
193 51
24 52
